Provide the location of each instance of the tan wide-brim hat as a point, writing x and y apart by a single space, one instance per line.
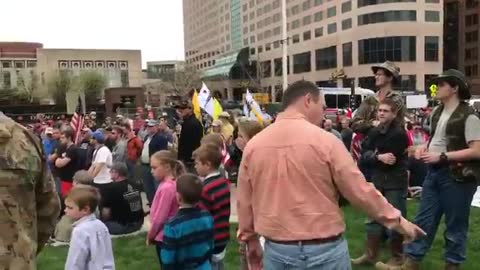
388 66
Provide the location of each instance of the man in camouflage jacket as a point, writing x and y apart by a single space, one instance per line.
29 204
366 115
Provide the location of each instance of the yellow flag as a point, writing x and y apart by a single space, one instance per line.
196 106
217 109
433 90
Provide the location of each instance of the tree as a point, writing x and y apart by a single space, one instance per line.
182 80
59 85
92 84
27 86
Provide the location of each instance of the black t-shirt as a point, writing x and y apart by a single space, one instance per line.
66 173
125 203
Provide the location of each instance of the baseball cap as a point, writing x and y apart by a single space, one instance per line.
152 123
184 104
49 130
98 136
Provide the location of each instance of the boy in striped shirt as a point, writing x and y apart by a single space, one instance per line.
188 236
215 198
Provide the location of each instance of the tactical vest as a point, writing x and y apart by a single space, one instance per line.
464 171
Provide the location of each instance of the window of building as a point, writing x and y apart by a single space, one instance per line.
245 42
260 36
318 2
252 27
471 36
31 63
307 20
379 50
431 49
277 62
346 6
6 64
295 10
326 58
276 30
245 30
252 39
260 49
295 39
124 78
472 3
259 12
367 82
267 8
7 83
268 47
276 4
307 35
276 44
332 28
318 16
347 53
346 24
306 5
432 16
405 83
332 11
471 20
266 69
252 51
267 34
471 70
295 24
387 16
318 32
19 64
471 53
245 7
362 3
302 62
251 16
277 17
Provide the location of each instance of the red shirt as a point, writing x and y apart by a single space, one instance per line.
134 148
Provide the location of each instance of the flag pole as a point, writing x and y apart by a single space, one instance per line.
285 46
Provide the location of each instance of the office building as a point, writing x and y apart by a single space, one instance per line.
324 38
22 61
462 43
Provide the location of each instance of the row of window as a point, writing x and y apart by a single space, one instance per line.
374 50
18 63
66 64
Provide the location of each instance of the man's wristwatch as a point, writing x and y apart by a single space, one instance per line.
443 158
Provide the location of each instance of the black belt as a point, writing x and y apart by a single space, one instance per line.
310 242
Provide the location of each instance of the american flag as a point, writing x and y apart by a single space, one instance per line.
77 120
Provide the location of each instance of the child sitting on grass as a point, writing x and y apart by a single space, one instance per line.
90 246
215 198
63 230
188 237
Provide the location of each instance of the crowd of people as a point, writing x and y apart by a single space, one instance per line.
292 175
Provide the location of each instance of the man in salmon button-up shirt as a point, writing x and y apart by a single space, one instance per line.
290 179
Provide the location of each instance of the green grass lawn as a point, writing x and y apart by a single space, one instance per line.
131 253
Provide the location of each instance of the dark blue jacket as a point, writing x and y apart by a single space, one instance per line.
158 142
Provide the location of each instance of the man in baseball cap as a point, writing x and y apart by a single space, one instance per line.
192 133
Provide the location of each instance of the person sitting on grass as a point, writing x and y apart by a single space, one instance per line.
91 245
215 198
63 230
122 210
188 237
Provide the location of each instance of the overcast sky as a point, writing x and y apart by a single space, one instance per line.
153 26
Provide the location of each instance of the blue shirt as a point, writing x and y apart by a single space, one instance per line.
90 246
188 240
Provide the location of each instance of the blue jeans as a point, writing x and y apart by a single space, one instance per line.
328 256
149 183
441 195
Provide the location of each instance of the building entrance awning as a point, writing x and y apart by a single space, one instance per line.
222 67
